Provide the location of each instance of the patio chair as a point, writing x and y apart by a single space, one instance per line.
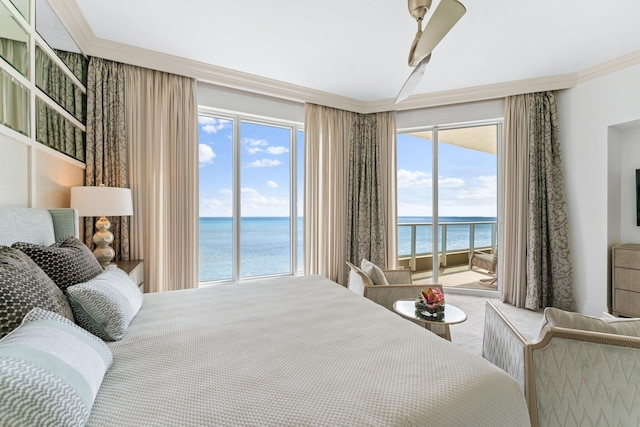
487 262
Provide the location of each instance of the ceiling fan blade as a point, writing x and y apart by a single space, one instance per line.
443 19
413 80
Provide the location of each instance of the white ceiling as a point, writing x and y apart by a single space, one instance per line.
358 49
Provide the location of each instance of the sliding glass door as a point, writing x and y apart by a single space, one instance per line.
447 203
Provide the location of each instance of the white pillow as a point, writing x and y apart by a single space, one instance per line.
106 304
610 325
50 372
374 272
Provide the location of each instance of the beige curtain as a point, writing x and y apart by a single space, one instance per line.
387 132
106 147
513 236
371 221
536 270
327 135
161 123
350 190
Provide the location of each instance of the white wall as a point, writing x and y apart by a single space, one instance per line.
32 175
450 114
629 142
594 132
246 103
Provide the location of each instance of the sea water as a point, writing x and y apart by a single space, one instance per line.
265 243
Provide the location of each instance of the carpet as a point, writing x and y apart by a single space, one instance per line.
468 334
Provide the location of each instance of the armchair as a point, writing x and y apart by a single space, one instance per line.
400 286
579 371
487 262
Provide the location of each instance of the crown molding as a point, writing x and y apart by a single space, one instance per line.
611 66
477 93
74 21
218 75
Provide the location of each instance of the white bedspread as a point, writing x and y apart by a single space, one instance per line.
294 352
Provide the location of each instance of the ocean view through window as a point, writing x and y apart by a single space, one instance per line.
447 200
249 190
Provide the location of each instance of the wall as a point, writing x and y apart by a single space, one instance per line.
246 103
32 175
451 114
595 129
629 142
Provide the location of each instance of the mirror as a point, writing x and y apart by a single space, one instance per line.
58 38
23 8
56 132
14 42
14 110
54 82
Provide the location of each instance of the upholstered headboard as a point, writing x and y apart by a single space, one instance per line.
39 226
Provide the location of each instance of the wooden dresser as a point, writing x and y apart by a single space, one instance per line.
625 280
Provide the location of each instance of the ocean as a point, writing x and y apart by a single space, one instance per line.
265 248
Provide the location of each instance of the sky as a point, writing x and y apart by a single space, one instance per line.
265 159
467 178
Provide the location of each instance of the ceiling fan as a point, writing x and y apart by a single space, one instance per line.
447 13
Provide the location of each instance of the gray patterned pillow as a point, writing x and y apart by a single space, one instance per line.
23 286
50 372
106 304
68 261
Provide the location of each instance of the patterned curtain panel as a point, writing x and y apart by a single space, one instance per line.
367 217
106 150
54 82
549 269
536 268
77 63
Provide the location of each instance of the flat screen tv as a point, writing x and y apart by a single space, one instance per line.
638 197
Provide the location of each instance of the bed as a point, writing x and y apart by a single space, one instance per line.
290 351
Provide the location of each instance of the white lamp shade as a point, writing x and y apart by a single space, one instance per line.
102 201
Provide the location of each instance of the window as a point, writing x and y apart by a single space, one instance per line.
447 202
250 186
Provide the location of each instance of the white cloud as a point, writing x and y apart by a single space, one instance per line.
212 125
264 163
216 206
272 184
450 182
277 150
415 179
206 154
255 204
254 142
456 196
254 150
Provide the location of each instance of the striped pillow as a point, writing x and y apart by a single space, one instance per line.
50 372
106 304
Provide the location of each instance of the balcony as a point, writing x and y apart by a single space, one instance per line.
457 239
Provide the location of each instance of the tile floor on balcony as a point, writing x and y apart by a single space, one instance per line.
459 276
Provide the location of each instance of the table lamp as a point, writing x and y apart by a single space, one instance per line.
102 202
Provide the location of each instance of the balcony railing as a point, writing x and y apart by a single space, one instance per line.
453 237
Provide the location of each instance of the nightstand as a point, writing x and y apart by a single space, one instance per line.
135 269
